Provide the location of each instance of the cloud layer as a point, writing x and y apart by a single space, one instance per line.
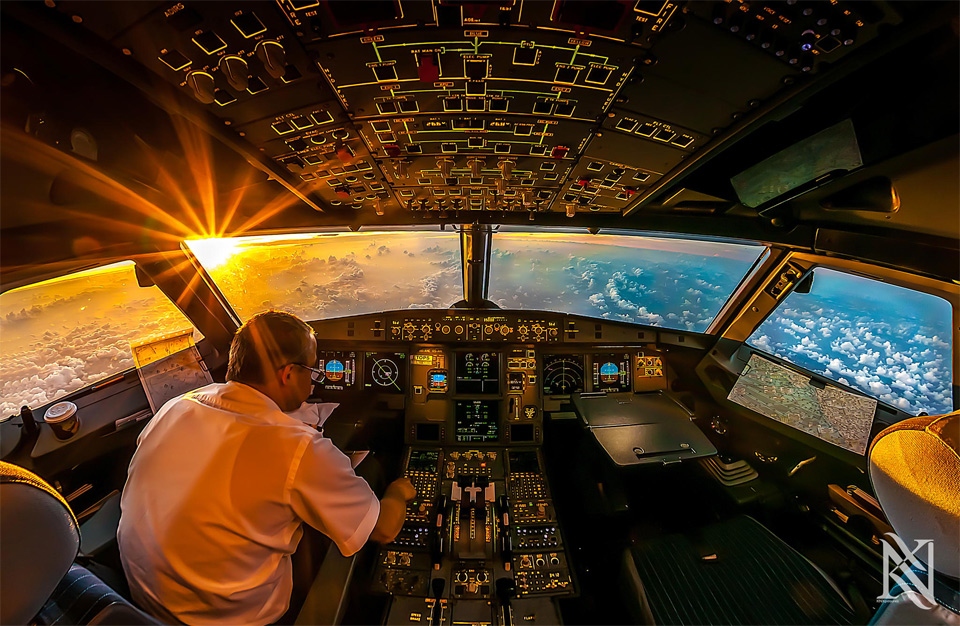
903 361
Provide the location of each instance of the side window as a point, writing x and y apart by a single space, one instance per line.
63 334
890 342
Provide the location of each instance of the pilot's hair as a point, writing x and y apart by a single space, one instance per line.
267 342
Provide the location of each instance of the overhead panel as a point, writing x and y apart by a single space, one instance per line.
455 106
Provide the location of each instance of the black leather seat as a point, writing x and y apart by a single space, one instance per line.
732 572
39 540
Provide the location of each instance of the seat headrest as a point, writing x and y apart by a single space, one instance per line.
915 470
39 541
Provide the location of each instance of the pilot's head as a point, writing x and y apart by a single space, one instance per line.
272 352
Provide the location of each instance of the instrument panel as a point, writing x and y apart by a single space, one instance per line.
483 397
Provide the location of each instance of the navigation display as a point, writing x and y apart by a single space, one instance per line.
478 372
385 372
562 374
611 372
826 412
476 421
339 368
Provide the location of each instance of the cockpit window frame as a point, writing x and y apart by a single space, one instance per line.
755 305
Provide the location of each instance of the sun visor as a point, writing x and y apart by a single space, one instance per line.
801 167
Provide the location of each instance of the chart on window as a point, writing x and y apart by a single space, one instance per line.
832 414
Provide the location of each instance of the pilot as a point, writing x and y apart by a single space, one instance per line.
223 479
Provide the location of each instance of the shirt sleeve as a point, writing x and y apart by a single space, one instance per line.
328 495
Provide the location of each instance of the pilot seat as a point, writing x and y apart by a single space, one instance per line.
39 581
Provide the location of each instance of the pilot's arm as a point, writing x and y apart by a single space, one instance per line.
327 494
393 510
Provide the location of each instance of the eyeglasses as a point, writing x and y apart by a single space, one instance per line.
316 375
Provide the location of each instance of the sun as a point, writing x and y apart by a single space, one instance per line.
214 252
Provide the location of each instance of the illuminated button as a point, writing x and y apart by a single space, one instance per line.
566 75
318 140
475 142
476 104
312 159
627 124
683 141
321 117
498 105
641 176
282 127
290 74
385 73
301 5
525 56
475 69
301 122
476 88
647 129
297 145
209 42
381 127
248 24
256 85
538 150
564 109
543 107
387 108
174 60
559 152
428 69
452 104
523 130
223 98
664 135
409 106
597 75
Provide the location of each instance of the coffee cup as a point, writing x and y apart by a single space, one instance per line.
62 419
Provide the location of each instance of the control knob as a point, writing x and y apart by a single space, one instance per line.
273 57
235 70
201 84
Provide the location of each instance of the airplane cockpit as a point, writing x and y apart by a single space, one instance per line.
636 293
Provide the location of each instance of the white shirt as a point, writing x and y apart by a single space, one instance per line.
213 505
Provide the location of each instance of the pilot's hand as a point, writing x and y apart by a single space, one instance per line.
403 489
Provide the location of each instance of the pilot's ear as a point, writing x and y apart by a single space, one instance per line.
286 373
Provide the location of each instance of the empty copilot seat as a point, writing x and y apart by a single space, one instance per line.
732 572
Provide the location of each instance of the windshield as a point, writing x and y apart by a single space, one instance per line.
63 334
678 284
333 275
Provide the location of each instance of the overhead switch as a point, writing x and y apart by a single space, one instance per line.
273 57
344 152
236 71
201 84
427 67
